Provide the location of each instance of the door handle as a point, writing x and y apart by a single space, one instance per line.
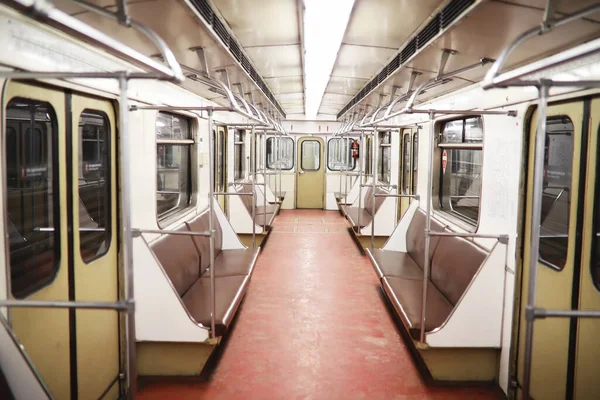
301 172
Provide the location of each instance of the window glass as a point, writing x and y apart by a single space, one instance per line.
311 155
32 185
282 157
238 155
339 155
556 193
460 190
385 159
173 173
406 172
415 161
368 160
94 184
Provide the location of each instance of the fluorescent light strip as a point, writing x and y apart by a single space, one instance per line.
325 22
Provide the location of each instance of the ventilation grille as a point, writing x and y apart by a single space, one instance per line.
453 10
209 16
438 23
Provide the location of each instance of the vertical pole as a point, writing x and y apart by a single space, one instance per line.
253 151
360 174
534 237
127 239
427 261
279 190
341 192
211 222
374 170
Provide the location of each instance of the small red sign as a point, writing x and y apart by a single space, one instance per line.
444 161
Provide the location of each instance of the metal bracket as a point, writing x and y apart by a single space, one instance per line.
224 77
503 239
530 313
411 82
240 88
202 58
548 22
446 53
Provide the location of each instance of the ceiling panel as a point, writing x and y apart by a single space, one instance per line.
378 23
562 6
276 61
360 61
261 22
345 85
289 84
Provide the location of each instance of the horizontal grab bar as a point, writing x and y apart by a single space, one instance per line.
232 194
90 305
410 196
502 238
167 232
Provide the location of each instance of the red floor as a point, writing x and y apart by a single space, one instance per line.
313 326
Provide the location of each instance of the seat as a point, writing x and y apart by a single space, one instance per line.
228 296
358 217
186 261
394 263
406 296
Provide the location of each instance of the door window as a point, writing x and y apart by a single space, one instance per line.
556 192
311 155
32 190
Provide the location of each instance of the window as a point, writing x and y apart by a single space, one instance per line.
94 184
415 161
173 172
339 155
32 190
461 160
368 160
239 155
406 172
556 192
311 155
385 160
282 157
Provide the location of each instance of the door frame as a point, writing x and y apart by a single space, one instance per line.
321 170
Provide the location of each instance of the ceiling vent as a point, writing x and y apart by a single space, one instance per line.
434 27
211 19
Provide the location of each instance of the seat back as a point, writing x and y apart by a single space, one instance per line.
200 224
455 263
179 258
246 200
415 237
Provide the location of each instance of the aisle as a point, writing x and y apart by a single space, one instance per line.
313 326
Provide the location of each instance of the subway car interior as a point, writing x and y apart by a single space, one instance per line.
299 199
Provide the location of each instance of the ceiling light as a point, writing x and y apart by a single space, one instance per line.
325 22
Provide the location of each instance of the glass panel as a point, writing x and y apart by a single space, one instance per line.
94 184
282 159
31 205
468 130
311 155
385 159
556 194
339 155
406 172
173 172
462 182
238 155
171 126
415 155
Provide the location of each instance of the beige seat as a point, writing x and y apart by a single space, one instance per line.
186 261
454 263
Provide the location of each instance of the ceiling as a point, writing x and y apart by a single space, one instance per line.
269 34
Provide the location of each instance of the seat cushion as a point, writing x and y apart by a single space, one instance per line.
179 258
415 237
353 214
406 296
238 262
394 263
229 292
455 263
270 209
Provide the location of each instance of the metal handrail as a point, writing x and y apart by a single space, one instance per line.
493 77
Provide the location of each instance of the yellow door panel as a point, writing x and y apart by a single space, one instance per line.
95 244
32 166
220 154
587 384
311 173
554 286
405 175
